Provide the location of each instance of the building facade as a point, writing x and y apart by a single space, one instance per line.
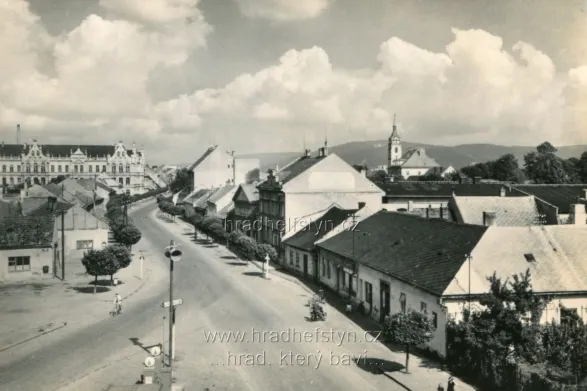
37 163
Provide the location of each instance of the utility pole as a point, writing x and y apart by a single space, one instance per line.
469 257
62 239
174 255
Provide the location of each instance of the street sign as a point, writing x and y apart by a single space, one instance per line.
176 302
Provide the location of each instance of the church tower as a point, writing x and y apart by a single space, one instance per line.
394 146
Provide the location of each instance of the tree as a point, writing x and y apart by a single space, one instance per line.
378 176
505 169
581 165
128 234
100 263
253 176
543 166
411 329
122 255
181 180
360 167
432 177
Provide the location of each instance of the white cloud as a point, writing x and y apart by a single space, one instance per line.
283 10
474 91
476 85
101 68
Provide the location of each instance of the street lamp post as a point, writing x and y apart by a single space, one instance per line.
174 255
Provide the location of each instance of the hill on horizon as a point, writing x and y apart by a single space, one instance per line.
374 153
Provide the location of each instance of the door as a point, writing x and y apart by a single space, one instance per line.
305 265
384 294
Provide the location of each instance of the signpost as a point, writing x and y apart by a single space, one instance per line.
176 302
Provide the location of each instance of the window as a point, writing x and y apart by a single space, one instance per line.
59 168
114 168
18 168
11 168
18 180
52 168
290 257
128 181
90 168
98 168
85 244
104 168
42 167
435 320
402 302
66 168
4 168
297 259
328 271
127 168
28 167
368 292
120 181
75 169
423 307
19 264
12 181
81 168
36 168
395 149
120 168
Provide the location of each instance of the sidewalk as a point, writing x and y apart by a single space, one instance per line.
33 308
424 374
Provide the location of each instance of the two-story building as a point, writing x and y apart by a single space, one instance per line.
244 216
308 185
217 167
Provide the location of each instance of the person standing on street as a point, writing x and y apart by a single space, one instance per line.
451 384
440 387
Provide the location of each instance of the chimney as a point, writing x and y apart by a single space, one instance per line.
502 192
489 219
577 215
52 201
361 205
18 133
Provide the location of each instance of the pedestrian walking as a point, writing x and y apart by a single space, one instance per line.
440 387
451 384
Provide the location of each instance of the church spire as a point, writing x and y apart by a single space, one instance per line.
394 133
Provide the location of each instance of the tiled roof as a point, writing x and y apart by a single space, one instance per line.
202 158
561 196
91 184
9 209
554 254
194 196
417 158
224 211
250 191
73 192
426 253
444 189
43 208
305 238
510 211
297 167
221 192
11 150
60 150
26 231
202 202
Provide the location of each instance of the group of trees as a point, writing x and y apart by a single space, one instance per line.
109 260
493 345
540 166
215 227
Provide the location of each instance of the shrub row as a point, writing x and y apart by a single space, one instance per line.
127 234
213 226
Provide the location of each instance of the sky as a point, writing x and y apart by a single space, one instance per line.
176 76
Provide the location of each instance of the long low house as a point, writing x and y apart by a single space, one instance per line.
394 262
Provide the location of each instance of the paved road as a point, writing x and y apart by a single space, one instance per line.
218 296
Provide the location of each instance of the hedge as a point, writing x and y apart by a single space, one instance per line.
213 226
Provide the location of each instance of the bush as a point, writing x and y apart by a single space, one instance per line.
128 235
122 255
100 263
265 249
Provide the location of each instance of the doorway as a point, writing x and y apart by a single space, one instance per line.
384 299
